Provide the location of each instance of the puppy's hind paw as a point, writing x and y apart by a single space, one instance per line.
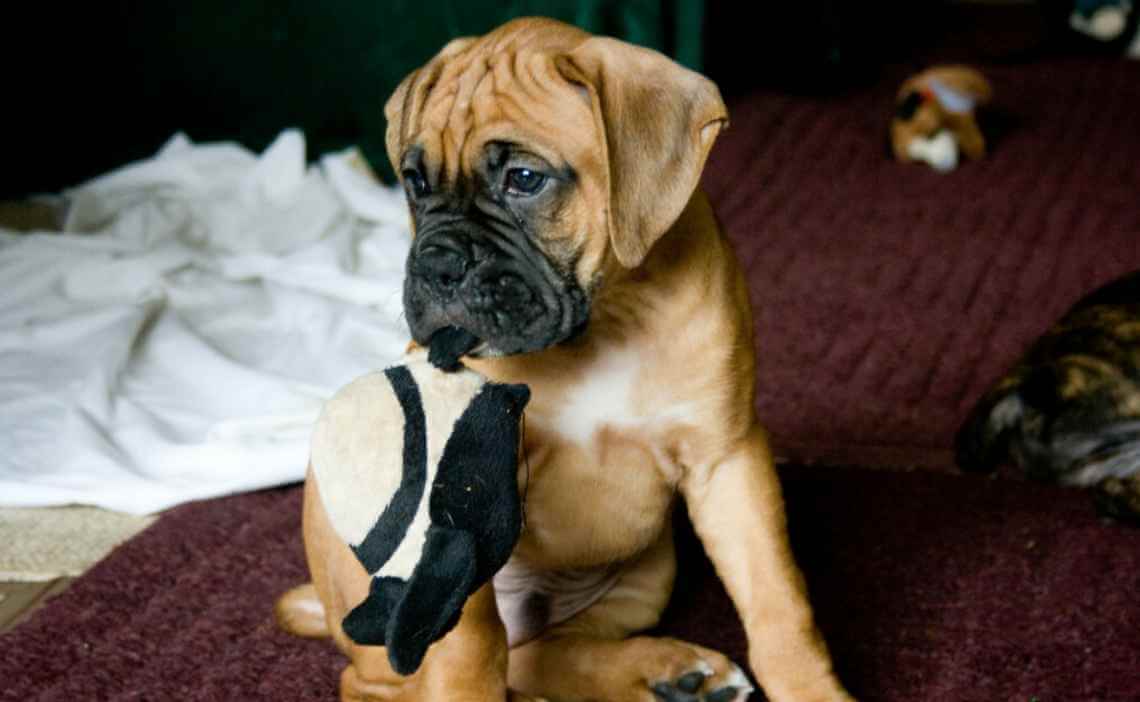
301 613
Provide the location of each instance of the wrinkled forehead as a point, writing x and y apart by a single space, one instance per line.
514 96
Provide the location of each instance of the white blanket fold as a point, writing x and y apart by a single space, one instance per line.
178 340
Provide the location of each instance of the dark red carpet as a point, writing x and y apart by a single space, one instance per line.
887 298
929 587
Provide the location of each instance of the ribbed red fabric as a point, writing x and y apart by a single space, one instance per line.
888 297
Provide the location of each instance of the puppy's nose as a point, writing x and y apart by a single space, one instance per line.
497 290
443 266
507 289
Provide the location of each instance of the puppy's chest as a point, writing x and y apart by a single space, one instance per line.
600 474
615 396
585 506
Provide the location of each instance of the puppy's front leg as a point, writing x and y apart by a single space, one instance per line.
737 509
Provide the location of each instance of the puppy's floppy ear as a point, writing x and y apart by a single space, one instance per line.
659 121
406 103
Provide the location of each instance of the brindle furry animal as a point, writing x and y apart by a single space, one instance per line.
1069 411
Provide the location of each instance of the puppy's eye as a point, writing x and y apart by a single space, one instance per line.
415 182
523 181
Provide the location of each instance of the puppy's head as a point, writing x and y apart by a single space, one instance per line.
535 159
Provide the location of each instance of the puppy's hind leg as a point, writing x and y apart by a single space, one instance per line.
469 664
589 657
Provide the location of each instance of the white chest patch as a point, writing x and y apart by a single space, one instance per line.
607 397
604 398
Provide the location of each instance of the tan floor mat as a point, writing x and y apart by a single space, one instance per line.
39 545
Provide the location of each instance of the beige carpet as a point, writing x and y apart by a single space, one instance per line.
38 545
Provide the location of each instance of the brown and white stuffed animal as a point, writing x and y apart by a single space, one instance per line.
935 117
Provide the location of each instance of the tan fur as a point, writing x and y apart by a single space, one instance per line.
670 323
300 612
931 117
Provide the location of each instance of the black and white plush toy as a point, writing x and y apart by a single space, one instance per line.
417 468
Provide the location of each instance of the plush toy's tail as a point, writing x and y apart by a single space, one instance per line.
367 623
409 617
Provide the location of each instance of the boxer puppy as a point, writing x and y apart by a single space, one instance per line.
552 182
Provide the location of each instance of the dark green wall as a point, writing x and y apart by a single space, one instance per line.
95 85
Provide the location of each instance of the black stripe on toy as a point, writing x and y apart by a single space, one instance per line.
388 531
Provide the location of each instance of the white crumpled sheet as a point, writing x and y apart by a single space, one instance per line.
178 340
